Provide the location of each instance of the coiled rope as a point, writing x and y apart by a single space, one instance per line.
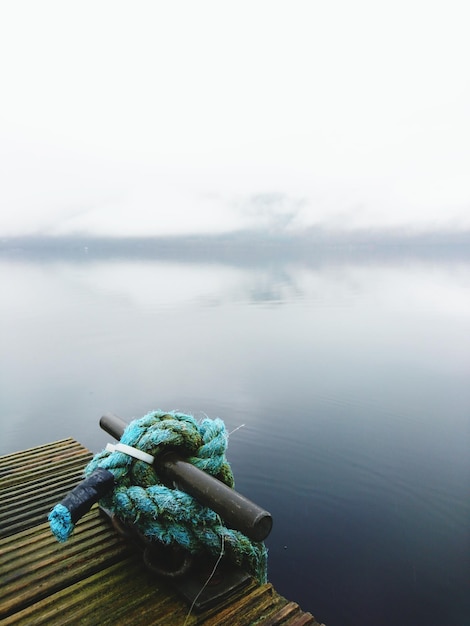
169 515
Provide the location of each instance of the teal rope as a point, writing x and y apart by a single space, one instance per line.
170 515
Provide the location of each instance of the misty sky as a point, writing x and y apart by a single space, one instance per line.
129 118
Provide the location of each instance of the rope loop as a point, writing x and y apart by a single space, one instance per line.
168 515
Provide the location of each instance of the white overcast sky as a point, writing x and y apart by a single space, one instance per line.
127 118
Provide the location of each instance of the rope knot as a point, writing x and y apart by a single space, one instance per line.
169 515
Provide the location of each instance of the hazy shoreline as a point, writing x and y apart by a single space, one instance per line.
246 247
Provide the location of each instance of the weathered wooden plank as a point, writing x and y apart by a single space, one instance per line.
27 460
57 462
95 578
33 480
15 495
16 457
125 594
290 614
33 565
20 505
116 594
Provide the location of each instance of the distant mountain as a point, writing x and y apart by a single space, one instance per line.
311 246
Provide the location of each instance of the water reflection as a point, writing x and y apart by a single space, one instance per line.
153 284
351 380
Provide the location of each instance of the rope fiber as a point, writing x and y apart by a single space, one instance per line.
166 514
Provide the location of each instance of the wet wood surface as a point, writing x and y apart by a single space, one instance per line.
96 577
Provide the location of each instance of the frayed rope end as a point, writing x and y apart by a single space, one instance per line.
60 521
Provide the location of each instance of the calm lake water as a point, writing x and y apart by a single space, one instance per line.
351 381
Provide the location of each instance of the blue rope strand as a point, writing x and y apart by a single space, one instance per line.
170 515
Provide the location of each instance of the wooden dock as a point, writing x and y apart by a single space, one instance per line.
96 577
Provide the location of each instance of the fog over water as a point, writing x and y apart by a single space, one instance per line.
349 371
258 211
